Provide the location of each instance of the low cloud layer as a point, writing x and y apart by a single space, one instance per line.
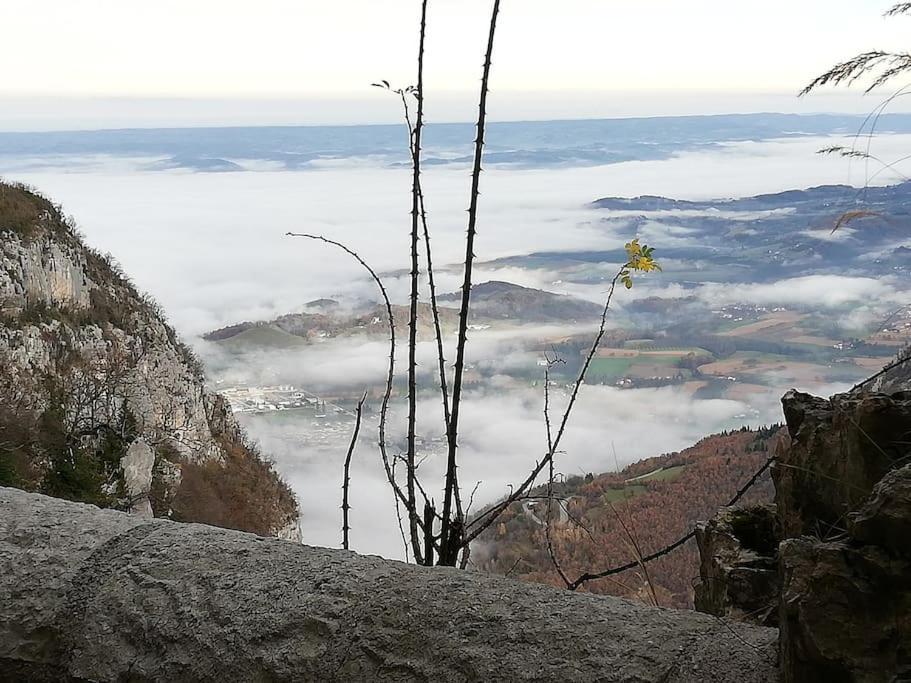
503 436
211 246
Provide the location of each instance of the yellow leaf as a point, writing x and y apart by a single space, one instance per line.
633 249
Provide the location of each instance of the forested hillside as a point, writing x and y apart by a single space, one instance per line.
657 500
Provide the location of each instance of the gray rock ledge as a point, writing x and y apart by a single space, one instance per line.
88 594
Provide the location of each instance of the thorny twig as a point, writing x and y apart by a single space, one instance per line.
346 479
450 546
390 375
483 521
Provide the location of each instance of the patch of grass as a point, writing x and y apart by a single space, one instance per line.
610 368
264 336
620 494
668 474
728 325
26 212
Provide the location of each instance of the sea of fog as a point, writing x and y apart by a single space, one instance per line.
211 247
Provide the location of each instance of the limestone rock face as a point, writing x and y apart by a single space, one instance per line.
102 596
42 271
76 329
137 466
739 565
840 449
82 350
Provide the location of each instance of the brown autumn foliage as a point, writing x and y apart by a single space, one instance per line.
244 493
657 511
24 211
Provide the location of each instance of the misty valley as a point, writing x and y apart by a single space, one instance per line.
761 290
455 341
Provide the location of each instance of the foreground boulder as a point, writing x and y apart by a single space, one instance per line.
103 596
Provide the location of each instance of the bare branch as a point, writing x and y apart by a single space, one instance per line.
550 485
483 521
346 480
410 473
390 375
451 546
398 516
633 544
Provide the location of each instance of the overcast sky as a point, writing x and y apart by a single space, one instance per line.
553 58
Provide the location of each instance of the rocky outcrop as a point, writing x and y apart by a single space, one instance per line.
846 603
845 613
845 511
840 448
843 498
138 466
98 595
98 388
738 552
885 519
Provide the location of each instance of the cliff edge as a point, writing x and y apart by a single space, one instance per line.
101 402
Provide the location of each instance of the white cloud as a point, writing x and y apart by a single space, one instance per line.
819 291
212 248
502 437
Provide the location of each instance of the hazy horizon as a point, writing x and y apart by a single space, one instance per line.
372 108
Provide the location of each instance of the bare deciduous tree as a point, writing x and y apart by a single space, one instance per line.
444 537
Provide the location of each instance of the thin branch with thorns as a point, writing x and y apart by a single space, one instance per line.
346 478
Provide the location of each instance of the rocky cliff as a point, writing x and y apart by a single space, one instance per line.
834 565
99 399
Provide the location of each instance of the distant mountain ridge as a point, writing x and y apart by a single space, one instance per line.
762 202
493 301
765 238
497 300
518 144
